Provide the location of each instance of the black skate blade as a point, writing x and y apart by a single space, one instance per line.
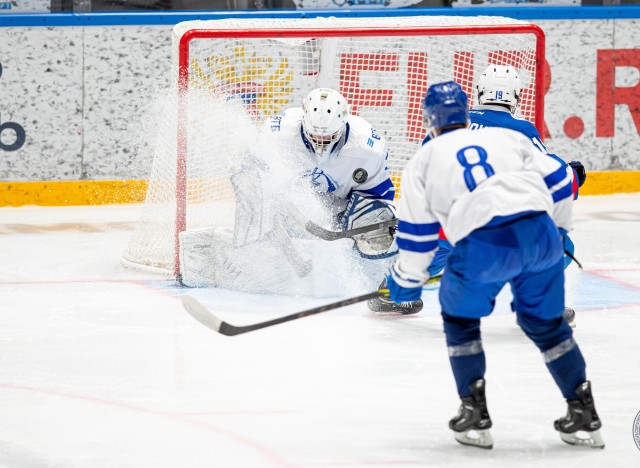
475 438
591 439
391 313
388 308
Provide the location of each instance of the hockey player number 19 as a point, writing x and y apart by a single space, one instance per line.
477 153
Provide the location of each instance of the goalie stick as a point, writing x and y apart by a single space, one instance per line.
328 235
203 315
281 239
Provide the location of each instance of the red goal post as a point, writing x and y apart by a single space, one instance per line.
383 67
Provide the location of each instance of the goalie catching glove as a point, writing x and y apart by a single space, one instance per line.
363 211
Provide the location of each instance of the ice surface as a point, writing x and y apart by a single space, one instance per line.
101 367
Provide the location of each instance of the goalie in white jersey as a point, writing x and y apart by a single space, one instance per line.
345 160
500 204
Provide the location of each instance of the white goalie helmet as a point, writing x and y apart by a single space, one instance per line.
324 119
499 84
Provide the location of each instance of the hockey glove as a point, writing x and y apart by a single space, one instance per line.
579 170
567 246
440 258
399 294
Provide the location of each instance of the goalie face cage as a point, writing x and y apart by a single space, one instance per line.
383 67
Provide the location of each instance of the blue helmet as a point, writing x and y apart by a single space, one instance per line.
445 105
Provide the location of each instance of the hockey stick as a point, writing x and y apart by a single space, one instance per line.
328 235
206 317
281 239
203 315
570 255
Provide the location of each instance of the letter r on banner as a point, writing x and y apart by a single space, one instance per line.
608 95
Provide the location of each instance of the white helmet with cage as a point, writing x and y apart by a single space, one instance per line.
499 85
324 119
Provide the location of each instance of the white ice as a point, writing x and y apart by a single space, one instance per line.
101 367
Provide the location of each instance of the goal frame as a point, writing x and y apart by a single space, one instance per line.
193 34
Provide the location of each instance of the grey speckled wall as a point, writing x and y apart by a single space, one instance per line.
123 69
580 53
72 100
80 95
41 90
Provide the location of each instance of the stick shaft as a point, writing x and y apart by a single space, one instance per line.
232 330
203 315
328 235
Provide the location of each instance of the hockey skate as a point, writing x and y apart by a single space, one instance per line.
581 425
472 423
386 305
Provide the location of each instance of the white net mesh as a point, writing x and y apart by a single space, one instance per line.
236 82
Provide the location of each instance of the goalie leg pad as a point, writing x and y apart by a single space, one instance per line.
363 211
208 258
252 215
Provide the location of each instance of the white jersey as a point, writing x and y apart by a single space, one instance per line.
464 179
356 165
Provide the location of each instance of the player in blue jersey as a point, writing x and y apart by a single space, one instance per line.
345 160
497 98
501 204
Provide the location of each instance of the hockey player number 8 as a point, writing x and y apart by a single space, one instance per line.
476 152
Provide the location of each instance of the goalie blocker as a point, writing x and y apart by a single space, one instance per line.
362 212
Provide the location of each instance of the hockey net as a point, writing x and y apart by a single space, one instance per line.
234 74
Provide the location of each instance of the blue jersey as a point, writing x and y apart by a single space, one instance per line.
498 116
490 116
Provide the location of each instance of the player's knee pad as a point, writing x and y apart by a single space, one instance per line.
545 333
362 211
460 330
